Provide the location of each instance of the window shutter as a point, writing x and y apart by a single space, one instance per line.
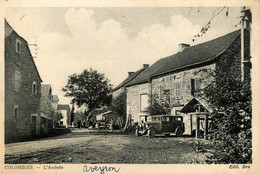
174 89
192 86
17 81
180 89
161 92
198 84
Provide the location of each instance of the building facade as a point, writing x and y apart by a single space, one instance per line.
55 103
47 110
64 110
180 79
22 89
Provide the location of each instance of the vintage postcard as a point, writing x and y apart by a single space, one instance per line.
130 87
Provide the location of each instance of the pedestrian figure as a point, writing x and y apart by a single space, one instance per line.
105 125
93 125
98 125
111 125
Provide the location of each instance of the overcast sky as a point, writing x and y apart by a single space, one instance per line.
113 41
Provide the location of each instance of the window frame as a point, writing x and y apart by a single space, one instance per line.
195 85
34 87
15 111
17 79
142 109
18 43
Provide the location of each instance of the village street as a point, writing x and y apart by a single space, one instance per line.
84 146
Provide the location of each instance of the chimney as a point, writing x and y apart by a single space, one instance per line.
182 46
145 66
130 73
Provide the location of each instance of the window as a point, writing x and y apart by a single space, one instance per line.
166 119
177 118
34 89
167 95
18 46
144 102
17 81
15 110
195 86
156 119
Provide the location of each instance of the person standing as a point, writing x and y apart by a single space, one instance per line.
111 125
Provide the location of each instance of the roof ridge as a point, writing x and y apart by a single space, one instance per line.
136 73
191 56
225 35
204 43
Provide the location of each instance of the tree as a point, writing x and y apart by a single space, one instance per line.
119 106
231 119
157 107
90 88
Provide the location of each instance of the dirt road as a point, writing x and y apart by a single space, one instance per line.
85 147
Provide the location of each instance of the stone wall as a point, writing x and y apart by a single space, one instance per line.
23 126
134 100
230 61
182 81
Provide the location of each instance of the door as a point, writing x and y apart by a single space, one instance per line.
177 122
166 124
33 126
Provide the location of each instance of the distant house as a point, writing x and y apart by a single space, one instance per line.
22 89
55 102
131 75
179 78
64 110
47 110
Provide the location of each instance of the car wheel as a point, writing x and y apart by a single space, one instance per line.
151 133
179 132
137 133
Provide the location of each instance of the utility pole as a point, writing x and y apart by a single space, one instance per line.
242 44
36 48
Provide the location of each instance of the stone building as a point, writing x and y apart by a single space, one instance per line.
47 110
22 89
64 110
180 78
55 102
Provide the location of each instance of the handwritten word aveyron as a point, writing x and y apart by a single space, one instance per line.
102 169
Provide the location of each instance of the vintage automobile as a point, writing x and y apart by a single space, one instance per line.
161 124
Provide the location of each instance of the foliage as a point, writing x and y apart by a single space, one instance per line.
231 119
205 28
79 116
90 88
119 105
157 107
